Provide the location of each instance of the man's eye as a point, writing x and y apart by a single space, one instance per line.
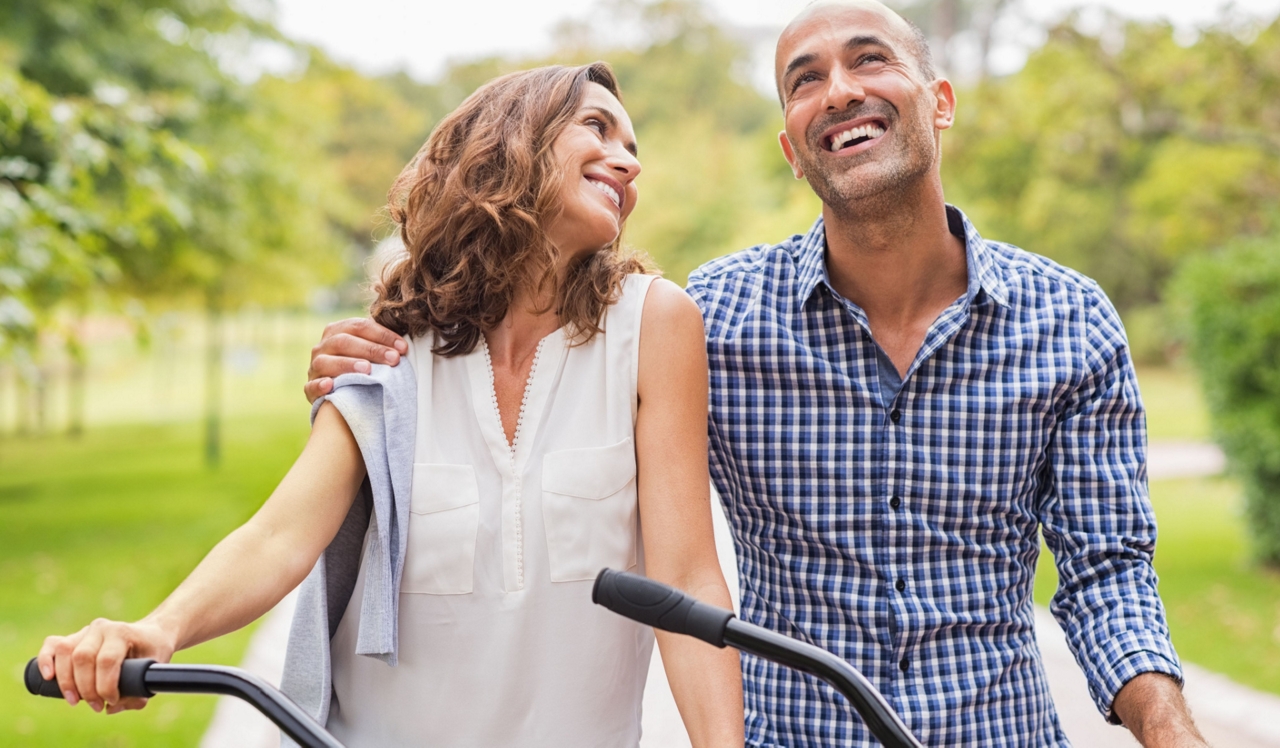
802 79
872 58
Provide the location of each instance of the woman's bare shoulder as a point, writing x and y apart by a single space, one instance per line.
668 309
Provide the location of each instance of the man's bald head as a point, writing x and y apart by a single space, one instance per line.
823 11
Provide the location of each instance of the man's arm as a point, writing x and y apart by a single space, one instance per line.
1152 707
349 346
1098 521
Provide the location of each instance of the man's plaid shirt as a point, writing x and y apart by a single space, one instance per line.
904 536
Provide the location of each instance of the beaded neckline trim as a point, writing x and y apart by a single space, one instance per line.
524 399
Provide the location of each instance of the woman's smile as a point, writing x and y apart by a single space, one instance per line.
607 186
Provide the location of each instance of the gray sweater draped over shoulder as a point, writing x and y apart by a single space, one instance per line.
381 410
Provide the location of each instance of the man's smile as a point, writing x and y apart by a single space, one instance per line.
848 136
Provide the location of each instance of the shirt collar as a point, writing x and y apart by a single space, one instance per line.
984 274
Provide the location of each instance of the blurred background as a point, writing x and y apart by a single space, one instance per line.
189 190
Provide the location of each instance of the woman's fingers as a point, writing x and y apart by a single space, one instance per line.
57 652
110 657
132 702
84 666
87 664
44 660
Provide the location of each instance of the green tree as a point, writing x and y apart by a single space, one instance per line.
1233 303
1124 155
142 168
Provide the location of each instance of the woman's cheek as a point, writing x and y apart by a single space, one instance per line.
629 202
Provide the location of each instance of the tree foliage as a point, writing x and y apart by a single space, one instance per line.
135 164
1233 302
1125 153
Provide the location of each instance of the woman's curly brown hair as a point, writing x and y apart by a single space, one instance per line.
473 206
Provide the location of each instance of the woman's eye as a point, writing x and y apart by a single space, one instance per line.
598 125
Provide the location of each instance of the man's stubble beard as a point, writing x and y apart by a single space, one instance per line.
881 189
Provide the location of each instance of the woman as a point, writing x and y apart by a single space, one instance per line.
449 516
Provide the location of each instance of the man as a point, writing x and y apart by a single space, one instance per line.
898 408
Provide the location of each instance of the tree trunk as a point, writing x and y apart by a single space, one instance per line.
5 394
40 400
76 386
946 14
213 381
986 34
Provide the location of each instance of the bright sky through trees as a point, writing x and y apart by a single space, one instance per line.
381 35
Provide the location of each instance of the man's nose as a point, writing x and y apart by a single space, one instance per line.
843 91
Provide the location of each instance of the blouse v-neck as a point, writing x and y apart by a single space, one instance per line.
536 388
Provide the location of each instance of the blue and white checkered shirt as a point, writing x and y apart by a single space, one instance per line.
900 530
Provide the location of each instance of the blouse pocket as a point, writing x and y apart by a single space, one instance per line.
444 516
589 509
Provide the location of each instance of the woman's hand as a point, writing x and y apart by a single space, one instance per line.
87 663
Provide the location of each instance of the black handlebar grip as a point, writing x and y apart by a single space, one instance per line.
656 604
133 674
133 678
37 685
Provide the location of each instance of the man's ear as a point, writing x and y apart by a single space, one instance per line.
789 153
944 111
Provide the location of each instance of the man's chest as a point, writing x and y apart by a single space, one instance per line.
800 412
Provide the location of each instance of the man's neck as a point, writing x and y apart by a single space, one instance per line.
896 257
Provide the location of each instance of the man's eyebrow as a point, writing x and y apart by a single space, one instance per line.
798 62
862 40
610 118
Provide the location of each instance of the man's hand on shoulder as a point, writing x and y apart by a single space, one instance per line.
350 345
1152 707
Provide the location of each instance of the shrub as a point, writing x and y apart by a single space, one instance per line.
1232 302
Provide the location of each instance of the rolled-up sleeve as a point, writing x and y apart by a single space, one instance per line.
1098 520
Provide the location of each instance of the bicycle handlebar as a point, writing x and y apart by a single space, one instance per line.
146 678
655 604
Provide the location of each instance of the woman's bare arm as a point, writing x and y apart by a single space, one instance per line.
675 509
243 577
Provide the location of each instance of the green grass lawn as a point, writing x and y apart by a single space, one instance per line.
107 526
1175 408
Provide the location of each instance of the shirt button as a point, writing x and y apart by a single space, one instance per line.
900 585
895 502
895 415
903 664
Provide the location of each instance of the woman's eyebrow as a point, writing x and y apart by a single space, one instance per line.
609 117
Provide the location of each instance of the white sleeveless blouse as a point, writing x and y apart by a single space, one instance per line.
500 644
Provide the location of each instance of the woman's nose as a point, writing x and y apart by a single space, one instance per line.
625 164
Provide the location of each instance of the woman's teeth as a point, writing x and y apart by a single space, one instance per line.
608 191
864 132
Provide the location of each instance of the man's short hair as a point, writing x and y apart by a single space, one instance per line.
920 49
917 45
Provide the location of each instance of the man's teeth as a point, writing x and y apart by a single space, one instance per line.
609 192
869 132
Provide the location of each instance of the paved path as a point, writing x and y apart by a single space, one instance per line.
1230 715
